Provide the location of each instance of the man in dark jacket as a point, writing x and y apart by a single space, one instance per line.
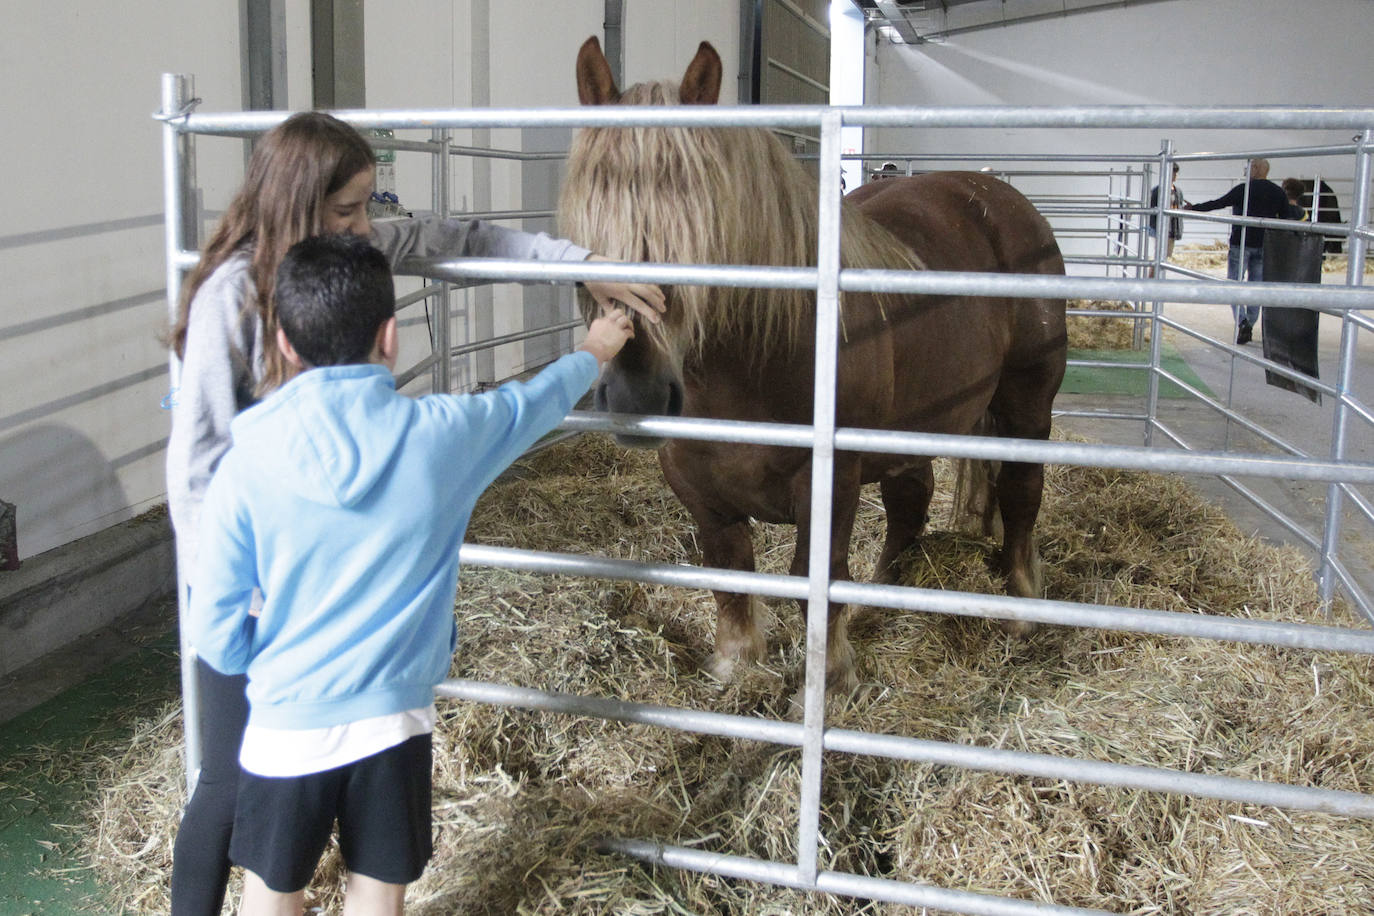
1258 197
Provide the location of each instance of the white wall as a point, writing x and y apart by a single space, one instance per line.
475 53
1177 52
82 305
82 308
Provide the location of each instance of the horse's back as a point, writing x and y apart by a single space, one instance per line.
963 221
955 357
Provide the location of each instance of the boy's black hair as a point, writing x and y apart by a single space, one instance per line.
333 293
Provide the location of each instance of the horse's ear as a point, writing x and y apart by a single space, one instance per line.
595 85
701 82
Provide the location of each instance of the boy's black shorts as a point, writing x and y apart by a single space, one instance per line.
382 804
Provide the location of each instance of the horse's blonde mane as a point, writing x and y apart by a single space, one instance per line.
709 196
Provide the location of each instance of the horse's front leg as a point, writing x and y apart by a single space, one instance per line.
727 542
839 654
739 635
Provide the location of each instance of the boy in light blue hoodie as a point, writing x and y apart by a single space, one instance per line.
344 504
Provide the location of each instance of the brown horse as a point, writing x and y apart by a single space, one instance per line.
945 364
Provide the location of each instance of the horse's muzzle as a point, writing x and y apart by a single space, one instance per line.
614 395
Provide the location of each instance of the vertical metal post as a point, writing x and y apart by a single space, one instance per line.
1113 230
614 27
1142 249
1245 214
1345 372
178 228
1163 201
822 487
441 341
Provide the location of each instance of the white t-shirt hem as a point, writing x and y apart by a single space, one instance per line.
279 752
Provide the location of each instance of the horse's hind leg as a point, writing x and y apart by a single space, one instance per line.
840 672
906 503
1021 407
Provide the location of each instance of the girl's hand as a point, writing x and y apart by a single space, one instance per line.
645 298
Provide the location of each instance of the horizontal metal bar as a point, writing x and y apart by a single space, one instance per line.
515 337
1009 157
1102 415
1364 321
941 753
1340 149
1236 417
1131 314
963 604
927 282
515 155
397 144
893 442
409 375
1127 776
1287 225
989 116
829 882
1103 364
491 343
797 75
1353 589
1187 271
509 214
425 292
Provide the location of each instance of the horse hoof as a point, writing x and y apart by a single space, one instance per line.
721 668
1018 629
840 688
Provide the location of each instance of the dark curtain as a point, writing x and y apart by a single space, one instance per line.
1290 334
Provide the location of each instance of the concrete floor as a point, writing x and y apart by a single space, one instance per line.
1290 416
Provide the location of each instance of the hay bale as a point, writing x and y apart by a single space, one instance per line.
1212 256
521 797
1102 332
1202 256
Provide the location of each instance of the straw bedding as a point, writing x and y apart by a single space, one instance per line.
521 797
1212 256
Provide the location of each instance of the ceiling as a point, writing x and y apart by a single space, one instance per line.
920 21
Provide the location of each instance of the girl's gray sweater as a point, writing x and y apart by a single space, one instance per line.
223 364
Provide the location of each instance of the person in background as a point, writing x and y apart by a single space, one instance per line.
888 170
1293 189
311 174
1257 197
1176 202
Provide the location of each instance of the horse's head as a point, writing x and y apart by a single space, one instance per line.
608 205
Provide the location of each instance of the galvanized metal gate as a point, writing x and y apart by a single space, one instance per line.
811 734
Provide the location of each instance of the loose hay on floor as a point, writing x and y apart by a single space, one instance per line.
521 797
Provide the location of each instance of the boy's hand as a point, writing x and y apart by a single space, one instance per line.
644 298
608 334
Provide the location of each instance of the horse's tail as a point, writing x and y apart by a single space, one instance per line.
975 490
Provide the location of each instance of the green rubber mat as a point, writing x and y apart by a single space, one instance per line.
48 780
1123 381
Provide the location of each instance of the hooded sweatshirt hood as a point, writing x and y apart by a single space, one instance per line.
302 437
344 503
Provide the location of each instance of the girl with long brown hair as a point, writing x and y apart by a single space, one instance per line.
310 175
